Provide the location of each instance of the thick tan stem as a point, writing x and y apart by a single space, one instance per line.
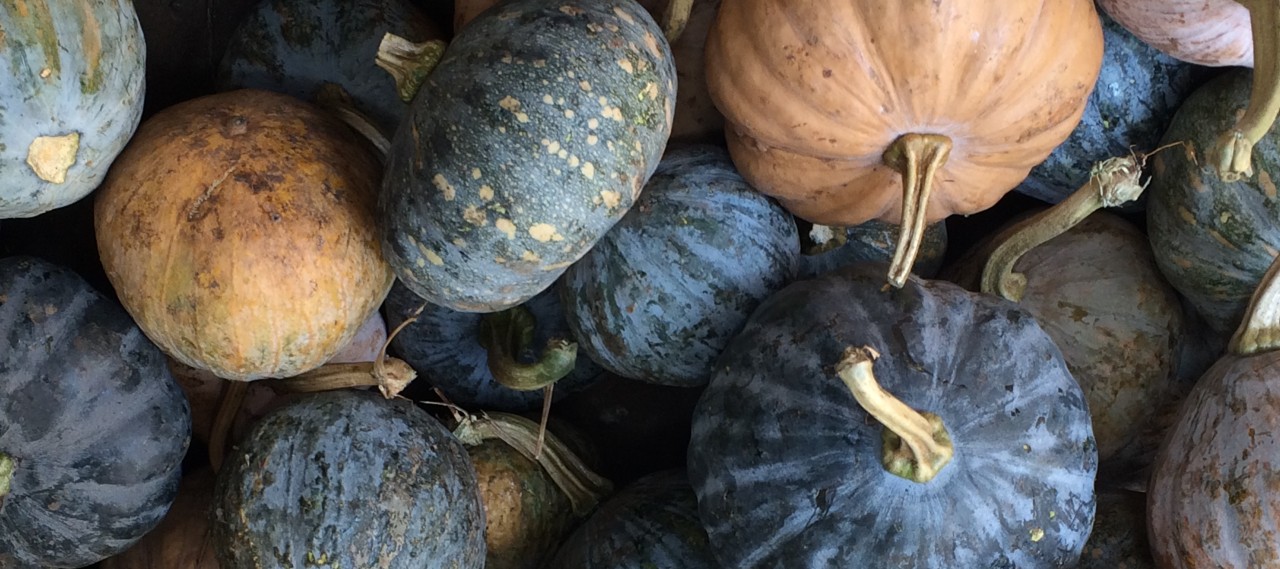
409 63
1112 182
1260 329
916 444
336 100
391 377
918 157
7 468
580 484
1232 154
229 402
675 18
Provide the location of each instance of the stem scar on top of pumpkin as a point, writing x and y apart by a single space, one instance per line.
915 444
7 468
918 157
1232 154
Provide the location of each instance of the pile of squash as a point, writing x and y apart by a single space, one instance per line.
609 284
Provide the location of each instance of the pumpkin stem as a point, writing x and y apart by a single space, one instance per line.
580 484
390 378
229 402
915 445
1232 154
336 100
1112 182
409 63
918 157
508 334
675 18
824 238
7 468
1260 330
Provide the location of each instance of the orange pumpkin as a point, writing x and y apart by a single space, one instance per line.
238 230
906 111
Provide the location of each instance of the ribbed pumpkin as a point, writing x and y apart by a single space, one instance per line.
906 111
73 88
238 230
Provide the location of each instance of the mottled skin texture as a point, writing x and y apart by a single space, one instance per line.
181 541
875 241
347 479
1138 90
1212 239
68 67
295 46
1119 538
660 295
1213 501
88 410
531 139
653 523
443 345
786 464
526 514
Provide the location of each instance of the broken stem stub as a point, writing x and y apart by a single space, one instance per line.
918 157
409 63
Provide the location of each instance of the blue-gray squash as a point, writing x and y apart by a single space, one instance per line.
74 74
529 141
824 249
965 443
661 294
93 428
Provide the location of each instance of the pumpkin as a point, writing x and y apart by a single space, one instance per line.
1211 501
295 46
452 352
299 489
903 111
1213 239
966 442
529 141
239 231
1119 538
74 79
1137 92
824 249
658 297
93 429
651 523
181 539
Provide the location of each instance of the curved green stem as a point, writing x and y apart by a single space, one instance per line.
1232 154
1260 329
1112 182
918 157
508 334
915 445
7 468
409 63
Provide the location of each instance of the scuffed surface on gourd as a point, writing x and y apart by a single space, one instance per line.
787 465
347 479
526 514
652 523
1213 239
443 345
530 140
69 67
295 46
661 294
90 413
1119 538
1212 500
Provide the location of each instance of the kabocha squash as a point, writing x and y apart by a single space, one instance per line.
238 230
529 141
660 295
1212 502
74 74
499 361
348 478
824 249
903 111
295 46
181 541
1213 239
93 428
985 457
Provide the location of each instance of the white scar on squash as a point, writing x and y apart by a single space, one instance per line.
51 156
486 192
545 232
512 105
444 186
611 198
506 226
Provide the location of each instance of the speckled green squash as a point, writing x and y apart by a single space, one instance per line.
1212 239
73 78
528 142
348 479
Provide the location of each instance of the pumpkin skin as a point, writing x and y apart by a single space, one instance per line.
181 539
1213 239
1206 32
299 489
1006 82
875 241
238 230
526 514
444 347
60 133
651 523
527 143
661 294
786 465
295 46
88 411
